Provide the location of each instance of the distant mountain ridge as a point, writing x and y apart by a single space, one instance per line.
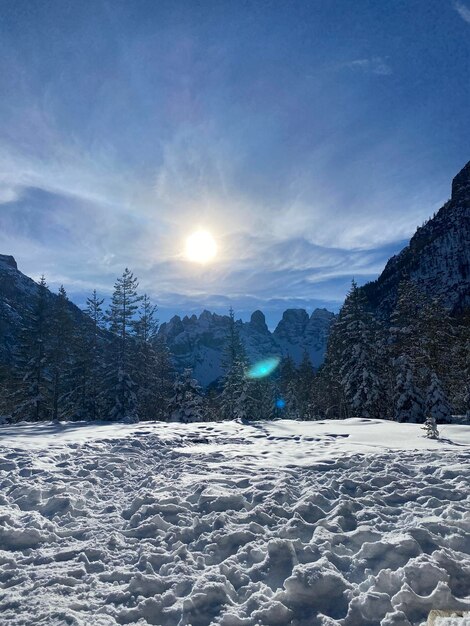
198 342
437 257
195 342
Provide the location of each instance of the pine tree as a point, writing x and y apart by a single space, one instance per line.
121 363
288 388
187 403
305 388
408 329
233 397
353 362
32 394
90 343
459 371
146 332
164 379
260 401
60 353
409 405
430 428
437 404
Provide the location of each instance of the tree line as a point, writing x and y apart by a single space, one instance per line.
114 365
413 365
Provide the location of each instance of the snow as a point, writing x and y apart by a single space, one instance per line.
354 522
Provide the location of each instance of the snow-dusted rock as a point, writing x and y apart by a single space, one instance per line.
437 257
198 342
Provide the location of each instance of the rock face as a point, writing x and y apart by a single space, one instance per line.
7 259
198 342
17 299
437 257
297 332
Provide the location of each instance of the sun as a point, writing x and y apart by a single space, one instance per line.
200 247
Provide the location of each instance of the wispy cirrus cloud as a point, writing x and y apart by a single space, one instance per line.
307 168
463 11
374 65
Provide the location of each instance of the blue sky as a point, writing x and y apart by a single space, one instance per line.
310 137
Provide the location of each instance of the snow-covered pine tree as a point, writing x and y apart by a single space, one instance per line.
187 403
305 389
430 428
232 400
121 371
32 393
89 367
408 333
438 335
409 405
459 383
164 378
146 375
287 385
60 355
437 404
260 399
353 358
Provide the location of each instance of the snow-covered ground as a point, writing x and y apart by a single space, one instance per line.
356 522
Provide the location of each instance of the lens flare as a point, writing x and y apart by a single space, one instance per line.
263 368
280 403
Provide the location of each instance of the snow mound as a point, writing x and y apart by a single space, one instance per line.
236 525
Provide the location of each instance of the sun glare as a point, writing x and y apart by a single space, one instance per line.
200 247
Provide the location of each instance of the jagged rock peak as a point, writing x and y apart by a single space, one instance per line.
258 321
206 315
461 185
323 314
7 259
298 315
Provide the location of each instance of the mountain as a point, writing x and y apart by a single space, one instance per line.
17 300
198 342
195 342
437 257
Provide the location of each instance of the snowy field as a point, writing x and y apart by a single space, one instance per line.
356 522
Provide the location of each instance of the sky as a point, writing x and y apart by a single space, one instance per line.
309 137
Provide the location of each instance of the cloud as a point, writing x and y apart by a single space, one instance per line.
463 11
295 174
373 65
9 193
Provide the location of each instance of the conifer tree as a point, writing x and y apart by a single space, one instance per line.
437 404
407 330
60 353
90 343
187 403
234 386
146 332
458 376
32 396
430 428
260 401
353 362
121 364
164 378
288 388
409 405
305 388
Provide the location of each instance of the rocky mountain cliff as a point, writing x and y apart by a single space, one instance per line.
198 342
17 299
437 257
